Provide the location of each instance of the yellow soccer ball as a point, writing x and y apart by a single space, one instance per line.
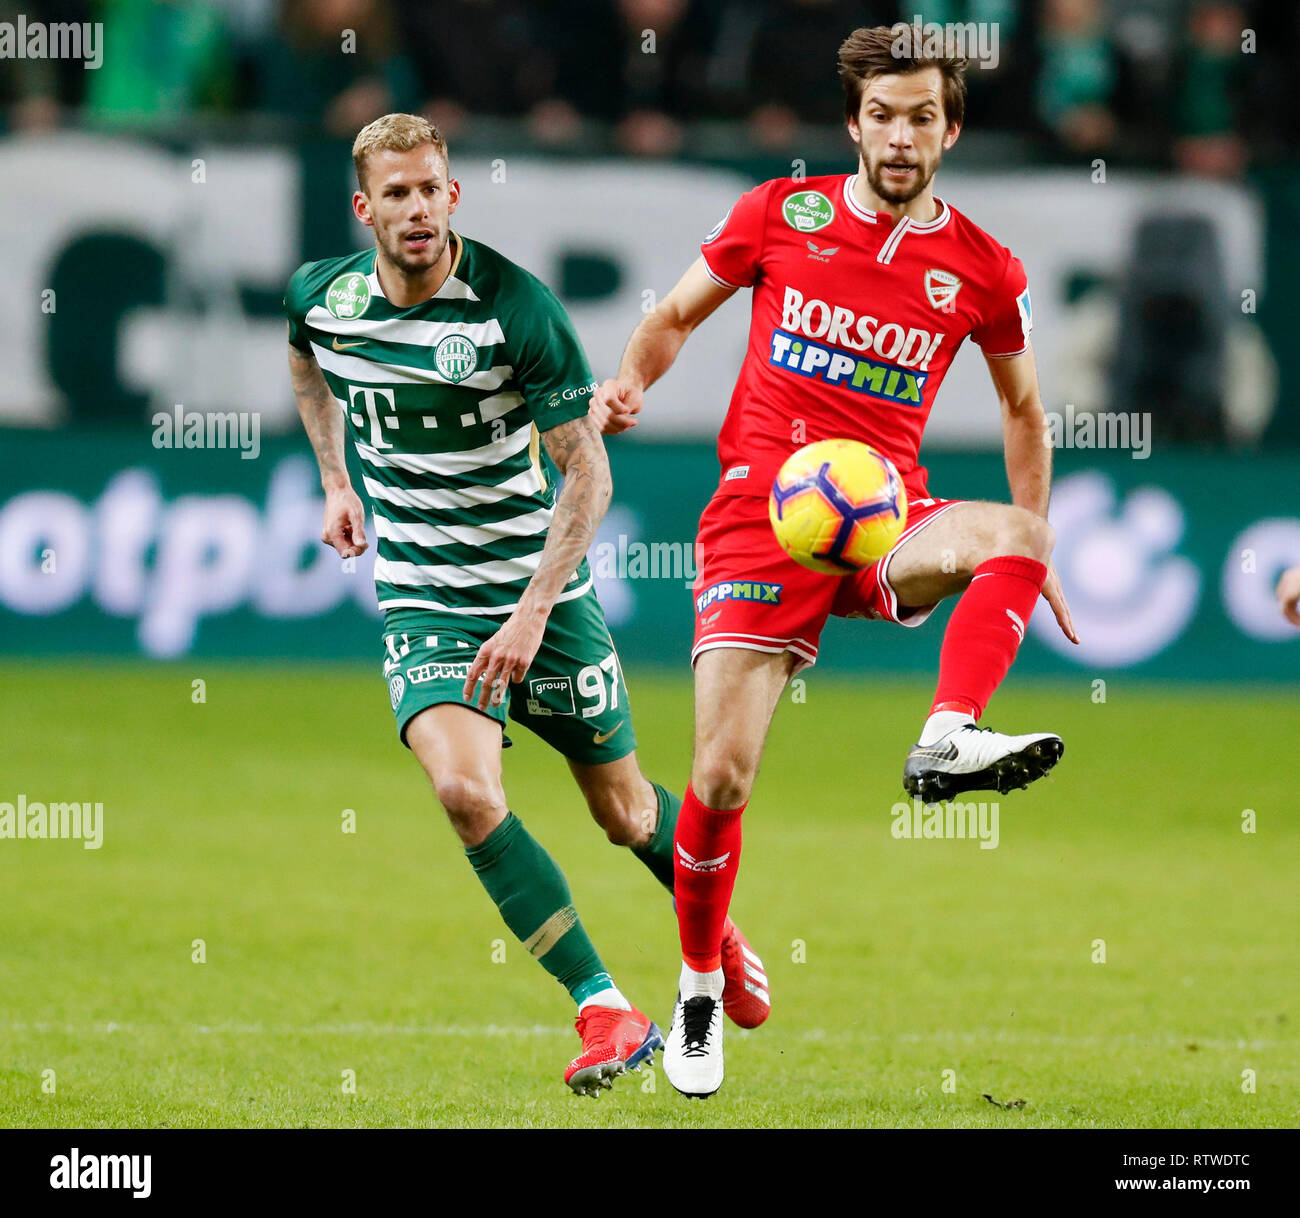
837 506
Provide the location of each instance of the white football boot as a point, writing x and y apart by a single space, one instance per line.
971 758
693 1054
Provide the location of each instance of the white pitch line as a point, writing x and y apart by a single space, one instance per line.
814 1035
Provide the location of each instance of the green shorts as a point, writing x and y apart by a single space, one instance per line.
573 696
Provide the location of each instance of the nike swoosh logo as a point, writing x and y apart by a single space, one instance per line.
338 346
601 737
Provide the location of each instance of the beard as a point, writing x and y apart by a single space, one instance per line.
397 254
897 192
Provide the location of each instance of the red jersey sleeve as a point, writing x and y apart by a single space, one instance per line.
733 249
1004 328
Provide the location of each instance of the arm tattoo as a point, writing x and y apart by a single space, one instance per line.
577 449
320 416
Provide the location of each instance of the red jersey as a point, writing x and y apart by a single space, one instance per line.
855 319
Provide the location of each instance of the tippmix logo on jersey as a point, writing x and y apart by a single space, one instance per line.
807 210
455 357
872 377
348 296
898 374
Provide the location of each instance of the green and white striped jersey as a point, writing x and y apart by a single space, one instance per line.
444 402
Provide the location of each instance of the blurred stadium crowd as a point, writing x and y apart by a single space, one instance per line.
1153 82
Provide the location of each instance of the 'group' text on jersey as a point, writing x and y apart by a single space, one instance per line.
444 402
855 319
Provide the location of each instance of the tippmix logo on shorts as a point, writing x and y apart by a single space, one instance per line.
739 590
438 671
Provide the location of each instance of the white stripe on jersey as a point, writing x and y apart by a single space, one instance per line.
401 330
372 372
526 482
448 575
498 404
462 534
451 463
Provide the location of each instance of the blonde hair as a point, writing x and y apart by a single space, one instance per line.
394 133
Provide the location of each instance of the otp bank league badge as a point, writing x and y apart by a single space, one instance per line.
808 210
348 296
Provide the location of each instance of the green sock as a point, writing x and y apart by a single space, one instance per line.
534 899
657 853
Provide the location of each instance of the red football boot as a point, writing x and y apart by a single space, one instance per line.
612 1041
745 997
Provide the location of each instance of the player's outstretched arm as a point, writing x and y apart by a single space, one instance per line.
577 449
1028 457
654 345
344 526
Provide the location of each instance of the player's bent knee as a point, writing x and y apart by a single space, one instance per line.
620 823
1025 532
721 783
467 797
617 813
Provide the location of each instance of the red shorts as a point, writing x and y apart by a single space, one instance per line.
750 594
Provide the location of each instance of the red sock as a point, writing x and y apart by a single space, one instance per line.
985 631
706 854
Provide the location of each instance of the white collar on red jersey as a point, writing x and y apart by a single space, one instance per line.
912 226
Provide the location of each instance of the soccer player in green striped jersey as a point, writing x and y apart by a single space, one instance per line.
464 389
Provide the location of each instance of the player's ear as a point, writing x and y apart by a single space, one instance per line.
950 136
361 209
453 195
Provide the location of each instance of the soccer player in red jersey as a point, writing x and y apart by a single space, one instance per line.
864 286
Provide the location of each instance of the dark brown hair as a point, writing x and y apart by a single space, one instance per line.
887 50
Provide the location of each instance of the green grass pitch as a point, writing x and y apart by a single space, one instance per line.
910 978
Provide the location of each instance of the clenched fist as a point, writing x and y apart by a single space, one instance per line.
345 523
614 407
